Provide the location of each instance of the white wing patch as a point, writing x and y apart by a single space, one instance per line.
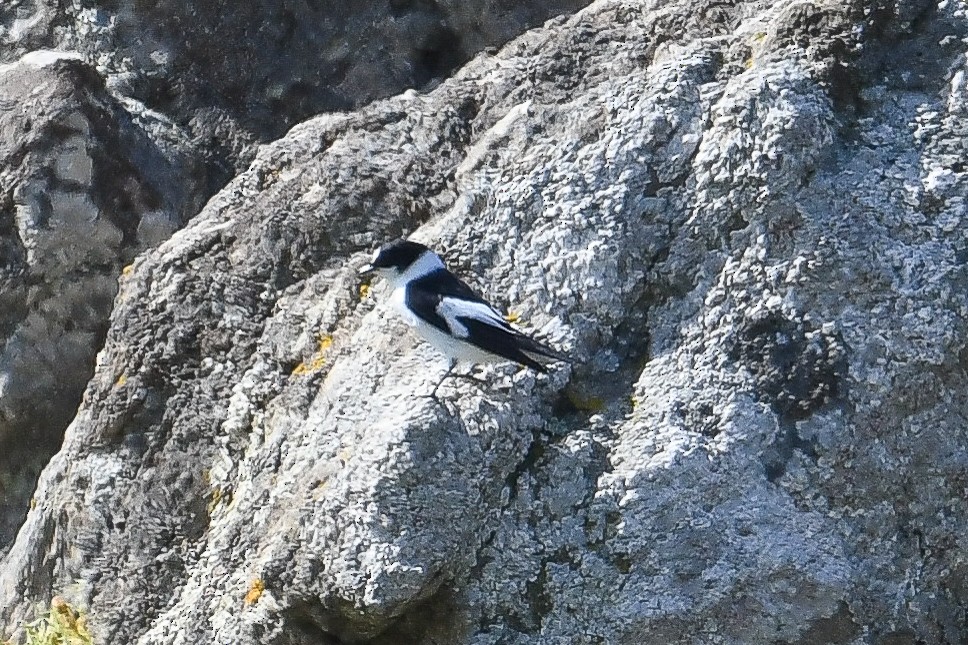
450 309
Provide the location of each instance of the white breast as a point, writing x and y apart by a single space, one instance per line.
398 301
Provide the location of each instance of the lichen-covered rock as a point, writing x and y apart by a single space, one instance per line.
192 87
231 74
82 191
746 224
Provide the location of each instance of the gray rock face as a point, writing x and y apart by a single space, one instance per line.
745 222
82 190
232 74
190 87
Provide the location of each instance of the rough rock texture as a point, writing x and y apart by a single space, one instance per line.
187 89
745 221
229 73
82 190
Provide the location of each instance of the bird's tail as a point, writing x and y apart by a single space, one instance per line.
529 345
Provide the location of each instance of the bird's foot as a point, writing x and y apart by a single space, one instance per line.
469 376
450 368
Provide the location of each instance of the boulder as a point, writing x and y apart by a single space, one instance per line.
183 92
231 75
83 189
744 222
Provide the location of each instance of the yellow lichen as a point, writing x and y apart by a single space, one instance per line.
512 317
213 503
63 625
128 270
584 402
269 175
364 291
756 40
319 490
121 380
256 587
318 359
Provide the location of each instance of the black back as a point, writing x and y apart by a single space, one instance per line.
425 294
398 255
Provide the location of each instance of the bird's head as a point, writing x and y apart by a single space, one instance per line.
402 260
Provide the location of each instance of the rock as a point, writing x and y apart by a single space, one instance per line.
228 78
82 191
199 87
745 222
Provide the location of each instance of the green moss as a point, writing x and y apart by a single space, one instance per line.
63 625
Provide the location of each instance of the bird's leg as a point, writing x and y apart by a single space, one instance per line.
450 373
450 368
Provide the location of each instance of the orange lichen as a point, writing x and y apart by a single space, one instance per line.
256 587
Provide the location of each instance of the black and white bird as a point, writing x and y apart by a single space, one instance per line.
447 313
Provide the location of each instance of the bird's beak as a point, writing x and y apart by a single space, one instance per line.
367 268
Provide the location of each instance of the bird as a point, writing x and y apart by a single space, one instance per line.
448 313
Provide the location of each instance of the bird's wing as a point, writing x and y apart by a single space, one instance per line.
501 341
449 304
443 300
422 303
456 312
